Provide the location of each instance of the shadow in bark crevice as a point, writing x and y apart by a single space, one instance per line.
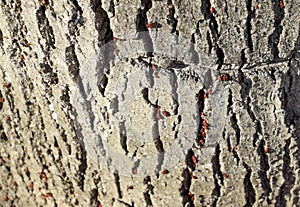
290 93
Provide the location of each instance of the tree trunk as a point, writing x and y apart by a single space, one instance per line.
149 103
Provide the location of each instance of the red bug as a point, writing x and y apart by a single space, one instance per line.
130 187
192 196
166 114
266 150
150 25
5 198
224 77
22 59
47 195
134 170
235 148
8 119
165 172
43 176
225 175
15 184
201 140
212 10
281 4
207 92
205 124
256 6
1 100
195 161
156 75
192 176
153 67
202 132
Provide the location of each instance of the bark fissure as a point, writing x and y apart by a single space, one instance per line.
185 188
250 16
273 39
149 190
248 187
217 176
262 173
171 20
118 185
288 175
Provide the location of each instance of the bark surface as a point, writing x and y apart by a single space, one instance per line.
149 103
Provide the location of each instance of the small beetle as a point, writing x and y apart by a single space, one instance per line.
205 124
224 77
192 176
192 196
134 170
165 172
43 176
22 59
202 132
281 5
201 140
8 119
150 25
195 161
129 187
31 186
5 198
225 175
15 184
166 114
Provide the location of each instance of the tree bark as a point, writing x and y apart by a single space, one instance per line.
149 103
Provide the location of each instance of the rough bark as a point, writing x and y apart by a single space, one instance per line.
211 95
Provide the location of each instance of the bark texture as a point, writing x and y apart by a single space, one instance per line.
229 100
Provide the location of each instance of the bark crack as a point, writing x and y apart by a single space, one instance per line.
262 173
251 14
288 175
185 188
216 193
273 39
248 187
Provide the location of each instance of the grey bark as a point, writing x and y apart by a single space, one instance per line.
62 77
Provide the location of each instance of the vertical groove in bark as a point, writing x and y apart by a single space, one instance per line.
149 190
82 168
217 176
72 61
171 20
262 173
185 188
273 39
45 29
248 35
117 182
288 175
248 187
43 45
